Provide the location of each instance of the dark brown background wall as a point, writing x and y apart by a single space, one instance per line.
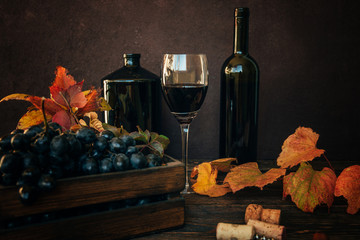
308 53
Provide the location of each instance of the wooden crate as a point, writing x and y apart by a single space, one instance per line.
76 197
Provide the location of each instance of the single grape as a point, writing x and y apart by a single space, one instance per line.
10 163
75 145
131 149
55 171
138 160
120 161
107 134
27 194
116 145
90 166
100 144
106 165
32 131
153 160
46 182
86 135
96 154
5 142
20 142
42 144
59 145
31 175
28 159
128 140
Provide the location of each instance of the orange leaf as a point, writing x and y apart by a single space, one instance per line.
206 182
249 175
299 147
31 118
62 79
309 188
223 164
348 185
92 104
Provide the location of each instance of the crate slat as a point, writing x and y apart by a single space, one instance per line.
115 224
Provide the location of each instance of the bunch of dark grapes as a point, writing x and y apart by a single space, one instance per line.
35 158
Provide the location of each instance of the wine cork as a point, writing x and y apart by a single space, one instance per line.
228 231
257 212
268 230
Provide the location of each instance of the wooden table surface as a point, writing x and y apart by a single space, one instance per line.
202 213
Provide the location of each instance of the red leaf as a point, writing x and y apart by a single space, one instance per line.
299 147
309 188
50 106
249 175
348 185
64 118
76 96
72 96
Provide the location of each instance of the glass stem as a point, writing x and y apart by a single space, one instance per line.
184 151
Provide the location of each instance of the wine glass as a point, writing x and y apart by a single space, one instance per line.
184 85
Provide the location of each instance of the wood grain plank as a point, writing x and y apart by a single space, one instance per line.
98 188
116 224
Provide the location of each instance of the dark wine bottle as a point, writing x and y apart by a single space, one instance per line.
239 97
134 95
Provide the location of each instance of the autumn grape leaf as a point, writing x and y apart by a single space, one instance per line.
223 164
348 185
66 104
116 131
206 182
249 175
32 118
309 188
299 147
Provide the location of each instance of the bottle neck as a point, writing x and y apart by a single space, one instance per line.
131 60
241 35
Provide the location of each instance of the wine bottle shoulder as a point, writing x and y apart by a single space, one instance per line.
239 62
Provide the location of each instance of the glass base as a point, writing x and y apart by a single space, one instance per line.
187 190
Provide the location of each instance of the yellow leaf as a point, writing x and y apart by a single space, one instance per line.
206 182
32 118
104 106
16 96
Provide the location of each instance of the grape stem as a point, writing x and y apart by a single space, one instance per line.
328 161
44 115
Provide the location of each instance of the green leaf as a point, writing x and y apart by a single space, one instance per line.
116 131
158 147
165 141
309 188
